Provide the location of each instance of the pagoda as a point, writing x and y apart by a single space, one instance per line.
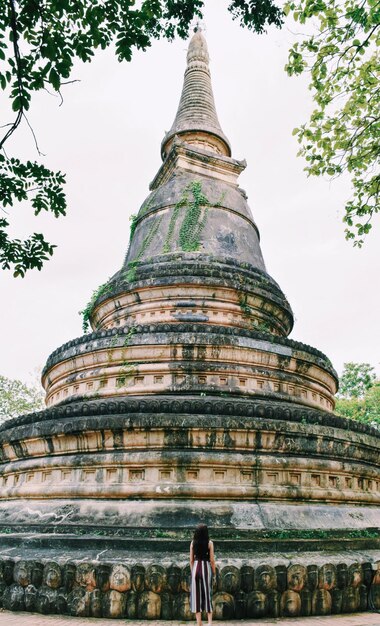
188 403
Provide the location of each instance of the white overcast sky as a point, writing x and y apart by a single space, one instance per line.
106 137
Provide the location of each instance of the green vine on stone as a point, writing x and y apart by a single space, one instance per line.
133 220
86 312
173 220
132 265
192 226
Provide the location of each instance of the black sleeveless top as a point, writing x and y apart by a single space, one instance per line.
201 555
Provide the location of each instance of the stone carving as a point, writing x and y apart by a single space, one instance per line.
85 576
131 605
37 574
114 604
69 571
247 578
96 600
138 577
224 605
240 605
256 604
355 575
120 577
321 602
351 600
14 598
31 598
155 578
149 605
265 578
297 577
167 606
46 602
102 576
52 575
230 579
78 602
327 577
290 604
153 592
22 573
174 575
182 607
336 601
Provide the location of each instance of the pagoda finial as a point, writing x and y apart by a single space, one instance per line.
196 120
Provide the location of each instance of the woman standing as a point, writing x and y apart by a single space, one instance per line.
202 565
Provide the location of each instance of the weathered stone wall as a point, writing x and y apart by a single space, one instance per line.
154 591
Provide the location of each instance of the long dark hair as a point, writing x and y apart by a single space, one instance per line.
200 542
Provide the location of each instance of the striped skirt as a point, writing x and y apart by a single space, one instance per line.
201 587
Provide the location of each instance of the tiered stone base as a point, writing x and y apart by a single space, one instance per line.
147 588
100 498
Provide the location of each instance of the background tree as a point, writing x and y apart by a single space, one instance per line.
39 44
17 398
343 58
359 394
356 380
41 40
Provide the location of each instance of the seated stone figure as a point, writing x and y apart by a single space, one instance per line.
149 605
282 577
96 601
114 604
256 604
374 593
240 605
30 598
246 578
102 576
78 602
167 606
155 578
321 602
265 578
342 575
22 573
46 600
290 604
14 598
230 579
85 576
312 577
351 600
181 607
174 578
68 576
52 575
274 603
131 605
327 578
224 605
306 597
120 577
61 601
297 577
336 601
355 575
186 578
37 573
138 577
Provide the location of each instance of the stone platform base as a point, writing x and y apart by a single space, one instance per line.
113 583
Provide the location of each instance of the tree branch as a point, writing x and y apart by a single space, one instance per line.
17 57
